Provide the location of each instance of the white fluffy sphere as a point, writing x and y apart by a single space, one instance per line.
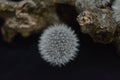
58 44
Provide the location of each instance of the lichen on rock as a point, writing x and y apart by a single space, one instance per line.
96 21
98 24
26 17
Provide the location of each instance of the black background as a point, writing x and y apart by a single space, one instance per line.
21 60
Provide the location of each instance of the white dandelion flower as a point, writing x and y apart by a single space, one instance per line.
58 44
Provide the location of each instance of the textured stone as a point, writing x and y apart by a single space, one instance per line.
98 24
26 17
